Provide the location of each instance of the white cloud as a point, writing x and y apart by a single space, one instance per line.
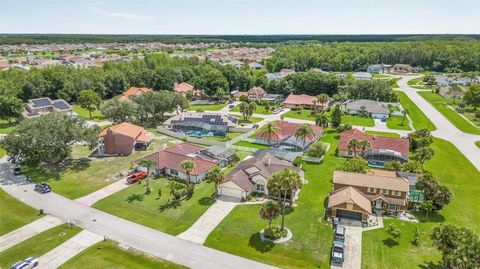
124 15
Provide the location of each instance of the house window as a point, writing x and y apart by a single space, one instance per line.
396 193
392 207
260 188
350 153
173 172
384 191
372 190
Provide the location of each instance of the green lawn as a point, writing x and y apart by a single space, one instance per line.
214 107
2 152
5 127
82 176
419 119
440 103
461 177
251 120
394 83
250 145
108 254
477 143
226 138
37 245
395 122
415 81
14 213
132 204
385 134
310 246
259 110
84 114
380 76
306 114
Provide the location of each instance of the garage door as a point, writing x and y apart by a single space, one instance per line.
231 192
344 214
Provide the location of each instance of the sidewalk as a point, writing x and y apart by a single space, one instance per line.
96 196
23 233
68 249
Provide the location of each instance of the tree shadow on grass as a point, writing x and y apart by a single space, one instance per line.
433 217
47 172
389 242
258 244
207 200
135 198
169 204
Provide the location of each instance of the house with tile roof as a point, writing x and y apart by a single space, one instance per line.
256 93
123 139
168 161
304 100
285 138
252 175
185 89
374 109
382 149
41 106
134 91
356 195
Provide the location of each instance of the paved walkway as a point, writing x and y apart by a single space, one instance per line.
96 196
23 233
68 249
200 230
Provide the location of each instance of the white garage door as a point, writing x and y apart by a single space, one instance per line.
231 192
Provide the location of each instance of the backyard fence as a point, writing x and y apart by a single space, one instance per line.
314 159
164 131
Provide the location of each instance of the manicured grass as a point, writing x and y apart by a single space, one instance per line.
82 176
395 122
477 143
357 120
2 152
380 76
226 138
385 134
108 254
311 242
259 110
250 145
394 83
305 114
415 81
14 214
84 114
251 120
214 107
440 103
462 178
37 245
419 119
6 127
132 204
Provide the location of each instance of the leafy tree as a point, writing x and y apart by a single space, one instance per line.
269 210
216 176
244 98
321 120
426 206
336 119
472 96
304 132
357 165
317 150
10 107
211 81
439 195
268 132
47 139
412 166
424 154
420 138
394 231
117 110
455 91
188 166
394 165
89 100
149 164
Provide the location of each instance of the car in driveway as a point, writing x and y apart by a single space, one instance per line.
339 234
136 176
338 254
28 263
231 106
42 188
17 171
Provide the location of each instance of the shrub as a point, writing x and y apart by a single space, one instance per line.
275 232
297 161
344 127
296 108
477 114
317 150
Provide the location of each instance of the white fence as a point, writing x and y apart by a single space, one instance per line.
242 148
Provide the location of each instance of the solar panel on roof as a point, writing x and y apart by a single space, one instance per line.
43 102
61 105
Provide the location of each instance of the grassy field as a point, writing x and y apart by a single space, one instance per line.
440 103
149 210
37 245
226 138
419 119
250 145
477 143
258 110
346 119
14 214
305 114
415 81
214 107
84 114
5 127
395 122
251 120
108 254
380 76
460 176
82 176
385 134
310 246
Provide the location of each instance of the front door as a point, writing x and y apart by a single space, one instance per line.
378 204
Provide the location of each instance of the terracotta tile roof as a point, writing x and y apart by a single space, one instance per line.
400 145
130 130
238 94
288 129
183 87
370 181
390 200
301 99
349 195
184 149
134 91
258 91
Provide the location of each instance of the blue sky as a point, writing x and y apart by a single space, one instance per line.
240 16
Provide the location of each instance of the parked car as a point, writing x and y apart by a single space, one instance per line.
136 177
17 171
339 235
255 126
338 254
28 263
231 106
42 188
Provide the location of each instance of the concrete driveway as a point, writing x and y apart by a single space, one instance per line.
353 248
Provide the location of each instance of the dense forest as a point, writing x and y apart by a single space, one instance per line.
79 38
347 56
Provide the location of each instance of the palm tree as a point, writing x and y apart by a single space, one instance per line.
321 120
364 146
404 112
269 131
424 154
322 99
149 165
216 176
315 108
281 183
244 109
304 132
353 145
252 107
188 166
269 211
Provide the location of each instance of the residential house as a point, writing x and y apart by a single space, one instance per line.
285 138
382 149
356 195
303 100
134 91
218 154
252 175
374 109
362 76
123 139
168 161
376 69
402 68
41 106
256 93
287 72
185 89
273 98
238 94
201 124
256 66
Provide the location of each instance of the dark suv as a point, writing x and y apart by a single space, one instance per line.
42 188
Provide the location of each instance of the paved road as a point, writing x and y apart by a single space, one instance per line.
445 129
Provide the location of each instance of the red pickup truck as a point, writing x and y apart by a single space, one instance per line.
136 177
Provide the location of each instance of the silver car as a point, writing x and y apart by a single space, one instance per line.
28 263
